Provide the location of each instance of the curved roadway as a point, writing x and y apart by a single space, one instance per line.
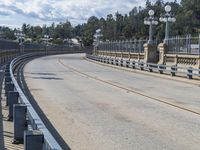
96 107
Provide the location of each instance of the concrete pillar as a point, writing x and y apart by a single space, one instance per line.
19 122
162 47
12 100
150 53
33 140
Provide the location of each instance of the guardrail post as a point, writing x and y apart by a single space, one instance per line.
104 59
127 63
189 73
107 60
160 69
150 68
12 100
116 62
112 61
173 70
33 140
9 87
7 80
141 66
133 64
121 62
19 122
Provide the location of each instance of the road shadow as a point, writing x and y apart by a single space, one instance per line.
42 73
47 78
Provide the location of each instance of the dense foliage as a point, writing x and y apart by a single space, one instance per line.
120 27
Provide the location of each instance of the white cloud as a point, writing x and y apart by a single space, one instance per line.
77 11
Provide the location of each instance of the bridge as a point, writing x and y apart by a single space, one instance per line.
79 101
117 95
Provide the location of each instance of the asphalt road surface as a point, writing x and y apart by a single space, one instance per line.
96 107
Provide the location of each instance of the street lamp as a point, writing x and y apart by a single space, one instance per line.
167 18
20 36
46 39
150 21
97 37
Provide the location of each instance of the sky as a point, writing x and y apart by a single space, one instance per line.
14 13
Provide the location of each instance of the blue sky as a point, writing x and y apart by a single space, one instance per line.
14 13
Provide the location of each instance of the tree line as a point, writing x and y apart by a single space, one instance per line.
119 26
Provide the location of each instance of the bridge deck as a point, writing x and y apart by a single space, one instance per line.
98 107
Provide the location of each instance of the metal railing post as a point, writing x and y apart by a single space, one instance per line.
33 140
178 43
135 46
189 73
189 43
173 70
12 100
9 87
19 122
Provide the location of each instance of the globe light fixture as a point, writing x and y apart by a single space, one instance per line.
150 21
168 8
151 12
97 37
167 18
46 39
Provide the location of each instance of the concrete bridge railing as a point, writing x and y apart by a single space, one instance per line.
180 52
172 70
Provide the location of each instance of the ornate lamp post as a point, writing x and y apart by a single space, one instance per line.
167 18
150 21
46 39
20 36
97 37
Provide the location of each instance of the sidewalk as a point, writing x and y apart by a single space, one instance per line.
6 127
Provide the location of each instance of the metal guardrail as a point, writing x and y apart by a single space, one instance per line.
37 124
172 70
14 95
